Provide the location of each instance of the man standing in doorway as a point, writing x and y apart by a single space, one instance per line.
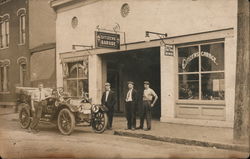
130 106
109 100
36 106
148 101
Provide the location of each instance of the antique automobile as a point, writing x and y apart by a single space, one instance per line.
64 111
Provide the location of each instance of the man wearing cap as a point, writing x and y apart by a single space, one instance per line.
130 106
109 100
148 101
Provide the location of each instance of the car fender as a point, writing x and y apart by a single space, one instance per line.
25 106
70 107
103 108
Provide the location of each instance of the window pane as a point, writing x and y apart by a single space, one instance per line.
3 35
188 59
1 79
83 86
72 87
72 70
212 57
189 86
213 87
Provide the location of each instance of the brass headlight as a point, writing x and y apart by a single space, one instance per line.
95 108
56 103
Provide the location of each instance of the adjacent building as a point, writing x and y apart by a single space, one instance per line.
192 69
24 25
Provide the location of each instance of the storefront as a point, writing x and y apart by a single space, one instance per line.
192 70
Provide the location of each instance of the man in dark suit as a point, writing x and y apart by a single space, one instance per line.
109 100
130 106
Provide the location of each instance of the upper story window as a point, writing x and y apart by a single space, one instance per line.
21 13
201 72
4 31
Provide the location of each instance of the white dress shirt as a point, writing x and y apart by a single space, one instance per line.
107 94
39 95
129 96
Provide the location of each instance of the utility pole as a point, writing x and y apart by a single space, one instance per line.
242 90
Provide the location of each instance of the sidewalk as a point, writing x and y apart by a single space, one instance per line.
221 138
183 134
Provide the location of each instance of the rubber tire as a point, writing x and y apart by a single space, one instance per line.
105 124
72 118
27 111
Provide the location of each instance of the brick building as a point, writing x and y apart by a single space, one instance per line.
24 25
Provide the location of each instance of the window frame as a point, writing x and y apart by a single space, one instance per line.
77 78
200 100
4 65
21 13
5 32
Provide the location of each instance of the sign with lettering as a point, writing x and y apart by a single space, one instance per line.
185 61
169 50
107 40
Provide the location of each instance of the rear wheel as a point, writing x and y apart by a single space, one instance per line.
24 117
66 121
100 122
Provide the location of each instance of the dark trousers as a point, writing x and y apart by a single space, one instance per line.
130 114
36 115
146 113
110 114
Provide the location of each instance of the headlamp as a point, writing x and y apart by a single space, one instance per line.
95 108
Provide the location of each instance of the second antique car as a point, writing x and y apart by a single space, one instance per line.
64 111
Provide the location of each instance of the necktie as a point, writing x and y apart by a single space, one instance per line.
106 99
128 95
40 96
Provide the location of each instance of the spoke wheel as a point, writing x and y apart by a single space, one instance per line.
24 118
99 122
66 121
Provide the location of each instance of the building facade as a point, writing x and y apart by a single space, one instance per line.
192 69
24 24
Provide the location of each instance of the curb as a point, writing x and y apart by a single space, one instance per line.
184 141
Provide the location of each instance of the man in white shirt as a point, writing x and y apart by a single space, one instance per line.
148 101
109 100
130 106
36 98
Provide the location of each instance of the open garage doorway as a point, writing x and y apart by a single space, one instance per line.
136 66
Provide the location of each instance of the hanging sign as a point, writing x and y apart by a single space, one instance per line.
107 40
169 50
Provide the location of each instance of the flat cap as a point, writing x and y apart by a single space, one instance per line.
107 84
146 82
130 82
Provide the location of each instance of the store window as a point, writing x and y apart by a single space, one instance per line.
4 31
77 78
201 72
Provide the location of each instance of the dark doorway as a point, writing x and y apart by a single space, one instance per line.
137 66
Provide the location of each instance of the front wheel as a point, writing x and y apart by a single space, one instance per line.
100 122
24 117
66 121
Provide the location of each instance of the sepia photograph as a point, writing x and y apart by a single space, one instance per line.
124 79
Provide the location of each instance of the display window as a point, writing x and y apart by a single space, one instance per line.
77 78
201 72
